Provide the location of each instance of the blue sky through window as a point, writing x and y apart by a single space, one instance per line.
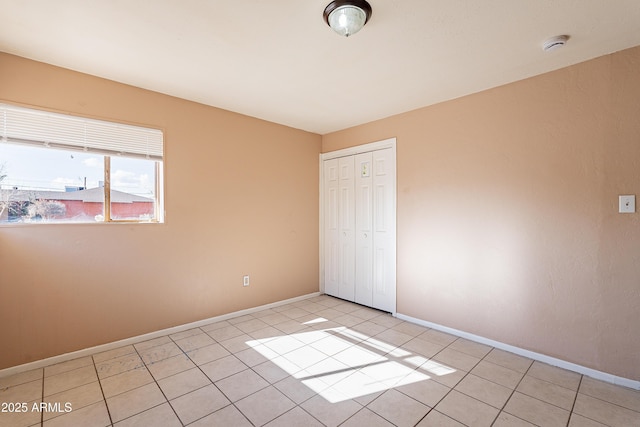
34 168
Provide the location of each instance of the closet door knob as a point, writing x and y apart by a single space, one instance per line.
365 235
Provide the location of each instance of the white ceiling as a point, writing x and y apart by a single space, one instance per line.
278 60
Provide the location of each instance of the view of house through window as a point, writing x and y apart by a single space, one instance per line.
133 186
59 182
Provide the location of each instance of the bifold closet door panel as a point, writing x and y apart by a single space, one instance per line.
384 230
346 220
364 229
339 224
331 228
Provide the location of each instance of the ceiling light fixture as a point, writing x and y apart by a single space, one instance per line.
347 17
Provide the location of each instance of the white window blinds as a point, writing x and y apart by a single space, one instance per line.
40 128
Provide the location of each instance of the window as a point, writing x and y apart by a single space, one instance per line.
60 168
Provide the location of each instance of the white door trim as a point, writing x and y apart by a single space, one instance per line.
364 148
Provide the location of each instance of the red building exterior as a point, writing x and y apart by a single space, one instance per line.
80 205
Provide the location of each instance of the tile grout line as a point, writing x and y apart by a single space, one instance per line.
521 392
302 409
465 376
42 400
557 385
270 384
609 402
515 389
433 408
299 405
138 387
514 392
318 394
231 403
575 399
104 398
383 392
156 380
603 401
296 405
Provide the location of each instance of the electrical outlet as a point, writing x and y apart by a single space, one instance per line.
245 280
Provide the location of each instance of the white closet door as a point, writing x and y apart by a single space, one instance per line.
346 208
331 228
360 228
384 230
364 229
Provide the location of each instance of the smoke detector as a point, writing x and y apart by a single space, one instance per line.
554 43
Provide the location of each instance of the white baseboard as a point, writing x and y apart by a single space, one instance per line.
134 340
603 376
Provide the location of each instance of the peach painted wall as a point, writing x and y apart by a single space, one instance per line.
241 198
507 212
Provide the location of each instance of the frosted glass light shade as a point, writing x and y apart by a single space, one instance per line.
347 17
347 20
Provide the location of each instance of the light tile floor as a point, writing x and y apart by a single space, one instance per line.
321 361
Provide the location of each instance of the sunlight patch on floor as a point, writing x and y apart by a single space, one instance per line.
341 364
